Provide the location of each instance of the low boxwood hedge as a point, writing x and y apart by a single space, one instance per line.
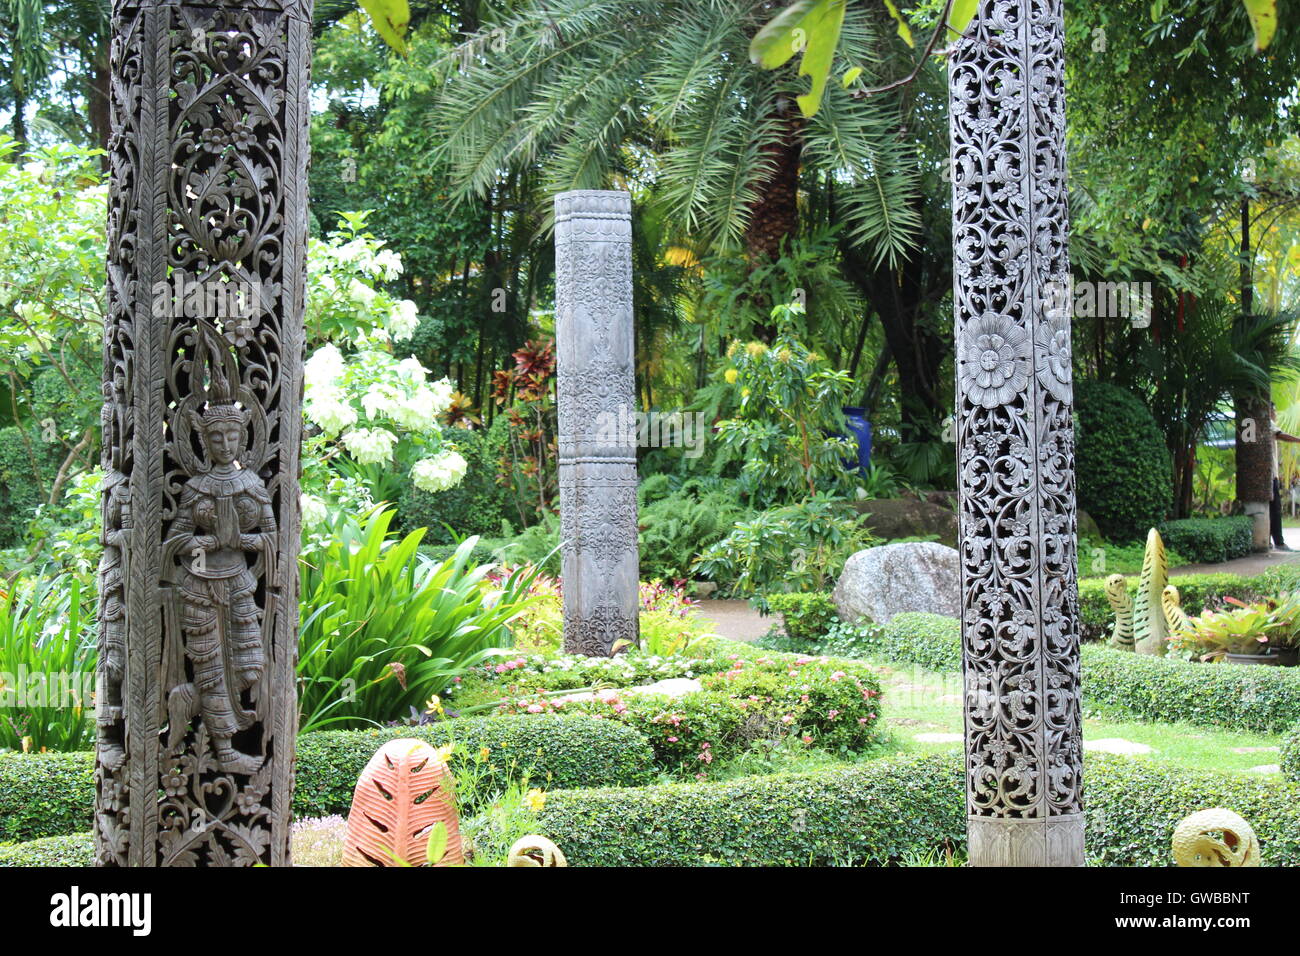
1210 540
53 794
876 813
1261 699
1291 756
887 808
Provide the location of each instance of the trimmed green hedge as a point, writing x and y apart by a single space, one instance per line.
887 808
1261 699
78 849
1210 540
52 794
875 813
1291 756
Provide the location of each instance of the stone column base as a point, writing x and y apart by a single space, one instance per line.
999 841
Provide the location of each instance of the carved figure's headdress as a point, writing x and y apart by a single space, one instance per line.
221 389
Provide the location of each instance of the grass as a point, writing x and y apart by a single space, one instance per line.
920 702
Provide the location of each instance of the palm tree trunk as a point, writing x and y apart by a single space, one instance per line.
774 216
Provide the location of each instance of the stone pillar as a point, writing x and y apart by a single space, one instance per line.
597 429
1015 440
202 421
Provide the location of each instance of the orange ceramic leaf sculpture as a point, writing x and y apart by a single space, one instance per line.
405 789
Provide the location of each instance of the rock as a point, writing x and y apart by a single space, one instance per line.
704 589
1266 768
1115 745
893 518
898 578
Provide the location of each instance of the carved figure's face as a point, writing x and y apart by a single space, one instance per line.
224 439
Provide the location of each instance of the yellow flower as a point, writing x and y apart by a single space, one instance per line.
784 356
535 800
731 375
434 705
483 753
755 349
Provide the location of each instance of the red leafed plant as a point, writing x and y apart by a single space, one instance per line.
404 792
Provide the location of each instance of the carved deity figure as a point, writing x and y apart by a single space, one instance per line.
113 572
222 542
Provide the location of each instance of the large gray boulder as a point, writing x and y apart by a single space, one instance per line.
899 578
891 518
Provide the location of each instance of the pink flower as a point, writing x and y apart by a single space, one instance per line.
672 740
535 708
619 708
807 738
787 719
832 714
500 668
862 720
837 675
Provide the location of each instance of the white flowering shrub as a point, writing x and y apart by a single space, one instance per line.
375 417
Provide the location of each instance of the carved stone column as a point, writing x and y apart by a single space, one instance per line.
1015 438
597 402
202 422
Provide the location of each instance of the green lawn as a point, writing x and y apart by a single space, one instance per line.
920 702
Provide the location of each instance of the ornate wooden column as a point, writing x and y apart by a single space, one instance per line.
597 400
202 423
1015 438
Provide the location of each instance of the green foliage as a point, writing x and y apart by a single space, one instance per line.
1123 470
676 526
1261 699
53 794
1103 558
477 505
789 425
805 617
1210 540
384 628
798 547
47 663
538 545
873 813
1291 755
892 810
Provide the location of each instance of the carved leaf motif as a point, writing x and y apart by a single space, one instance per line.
405 789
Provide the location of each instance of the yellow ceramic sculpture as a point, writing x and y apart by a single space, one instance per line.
535 851
1215 837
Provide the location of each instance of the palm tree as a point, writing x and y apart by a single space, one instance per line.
662 92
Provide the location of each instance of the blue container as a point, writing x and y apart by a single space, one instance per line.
860 428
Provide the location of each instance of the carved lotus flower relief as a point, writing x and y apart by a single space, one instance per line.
994 361
1052 356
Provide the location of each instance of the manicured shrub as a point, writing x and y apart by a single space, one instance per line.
1261 699
77 849
1210 540
1291 755
50 794
1133 807
879 812
1124 475
887 808
806 616
868 814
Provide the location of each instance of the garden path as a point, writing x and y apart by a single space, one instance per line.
1251 564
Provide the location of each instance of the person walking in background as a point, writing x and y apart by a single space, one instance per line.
1275 507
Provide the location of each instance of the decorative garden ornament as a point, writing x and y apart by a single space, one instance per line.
1215 837
1146 624
202 421
597 459
1015 438
404 791
535 851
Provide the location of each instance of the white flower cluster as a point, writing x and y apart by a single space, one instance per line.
440 472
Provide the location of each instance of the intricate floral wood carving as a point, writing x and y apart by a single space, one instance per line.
598 515
202 427
1015 438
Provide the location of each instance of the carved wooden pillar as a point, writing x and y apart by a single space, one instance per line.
1015 438
597 401
202 424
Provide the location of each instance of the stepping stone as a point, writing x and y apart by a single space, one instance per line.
672 687
1116 745
1266 768
938 738
1255 750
